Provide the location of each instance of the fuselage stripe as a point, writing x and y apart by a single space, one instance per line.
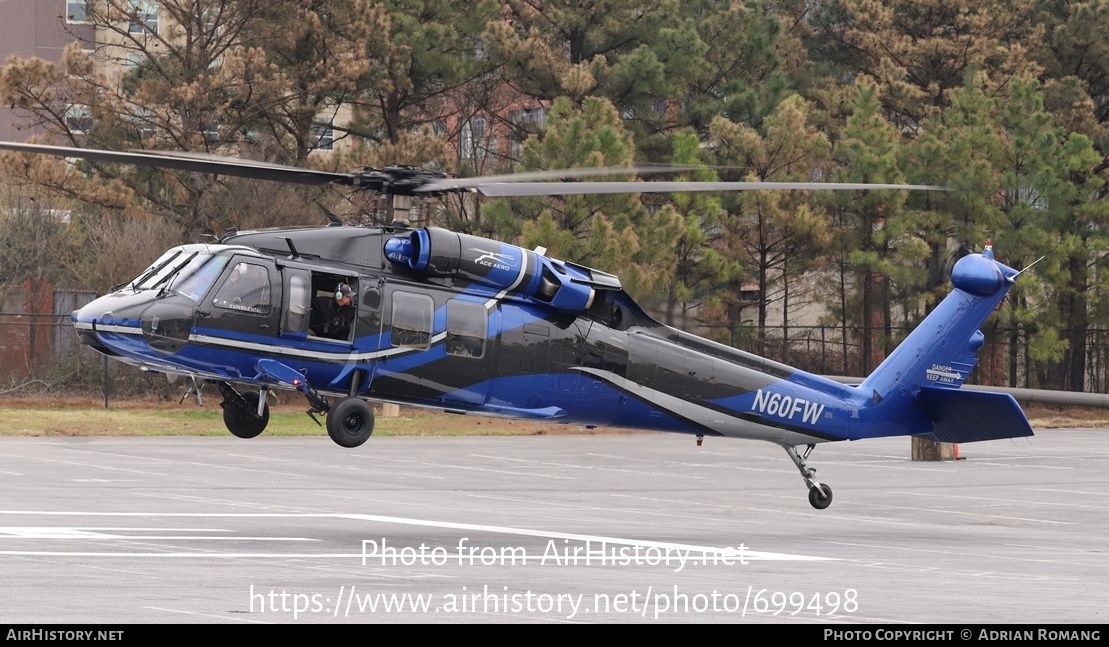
491 303
209 340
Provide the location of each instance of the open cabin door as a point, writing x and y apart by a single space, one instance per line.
354 348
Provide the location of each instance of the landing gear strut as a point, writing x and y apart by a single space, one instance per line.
244 414
820 495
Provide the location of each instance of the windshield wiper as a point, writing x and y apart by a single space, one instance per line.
168 278
151 272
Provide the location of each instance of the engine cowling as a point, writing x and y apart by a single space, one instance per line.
507 269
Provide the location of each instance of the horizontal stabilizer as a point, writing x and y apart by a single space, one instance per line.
970 416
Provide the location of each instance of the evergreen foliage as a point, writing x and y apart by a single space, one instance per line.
1004 102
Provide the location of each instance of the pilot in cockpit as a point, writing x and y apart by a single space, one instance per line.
245 289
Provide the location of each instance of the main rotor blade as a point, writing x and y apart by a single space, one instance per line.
197 162
415 181
594 188
454 184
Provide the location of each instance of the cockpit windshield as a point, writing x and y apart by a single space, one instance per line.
161 269
195 278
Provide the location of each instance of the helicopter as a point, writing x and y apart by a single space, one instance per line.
470 325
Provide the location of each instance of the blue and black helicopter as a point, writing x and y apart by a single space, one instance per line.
471 325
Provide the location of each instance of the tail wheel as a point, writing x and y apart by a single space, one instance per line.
821 497
243 421
350 422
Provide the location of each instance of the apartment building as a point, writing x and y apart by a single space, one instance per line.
44 28
39 28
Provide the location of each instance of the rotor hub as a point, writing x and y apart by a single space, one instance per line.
396 180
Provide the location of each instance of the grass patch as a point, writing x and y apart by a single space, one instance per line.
160 419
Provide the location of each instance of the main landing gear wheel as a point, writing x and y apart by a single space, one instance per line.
821 497
242 419
350 422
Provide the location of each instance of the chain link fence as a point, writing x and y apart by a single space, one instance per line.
1005 358
40 355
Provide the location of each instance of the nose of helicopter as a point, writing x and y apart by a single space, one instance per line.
85 320
116 309
116 313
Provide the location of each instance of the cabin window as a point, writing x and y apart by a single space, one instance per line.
372 299
246 289
465 328
369 316
296 313
412 314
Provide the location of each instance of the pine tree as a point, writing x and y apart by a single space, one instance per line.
702 274
776 236
879 256
614 233
918 51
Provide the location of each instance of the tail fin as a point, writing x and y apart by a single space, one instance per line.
943 348
935 359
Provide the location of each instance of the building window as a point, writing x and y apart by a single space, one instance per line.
79 67
136 60
145 121
525 122
76 11
210 130
78 119
144 16
473 132
324 137
533 120
210 21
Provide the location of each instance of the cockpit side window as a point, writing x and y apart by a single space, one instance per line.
246 289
